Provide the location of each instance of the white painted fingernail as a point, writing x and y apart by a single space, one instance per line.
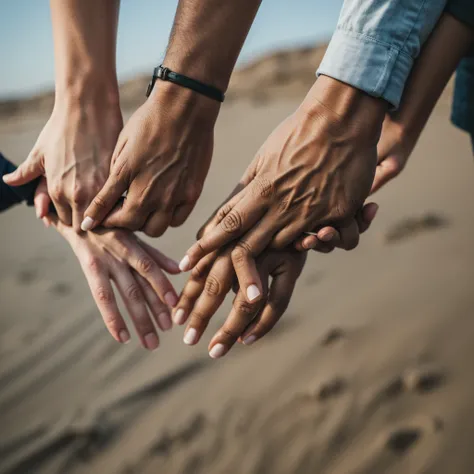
87 224
38 213
190 337
217 351
248 341
165 321
184 264
253 292
179 317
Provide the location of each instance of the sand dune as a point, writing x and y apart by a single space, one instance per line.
369 371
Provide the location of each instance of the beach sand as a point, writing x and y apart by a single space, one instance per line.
368 372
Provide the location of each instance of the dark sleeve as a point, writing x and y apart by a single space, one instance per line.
462 10
9 196
463 100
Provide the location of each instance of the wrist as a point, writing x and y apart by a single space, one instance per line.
346 109
178 101
195 66
91 87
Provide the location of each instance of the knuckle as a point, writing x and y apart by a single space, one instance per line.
133 293
100 202
232 222
199 318
223 211
104 295
212 286
94 265
57 191
79 196
145 265
263 188
246 308
230 333
240 255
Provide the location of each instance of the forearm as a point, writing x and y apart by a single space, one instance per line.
207 37
85 33
449 42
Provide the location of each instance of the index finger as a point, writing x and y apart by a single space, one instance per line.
245 214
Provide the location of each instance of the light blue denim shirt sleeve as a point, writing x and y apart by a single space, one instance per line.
376 43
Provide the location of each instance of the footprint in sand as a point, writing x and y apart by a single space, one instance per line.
413 226
331 389
27 276
423 379
61 289
332 336
402 439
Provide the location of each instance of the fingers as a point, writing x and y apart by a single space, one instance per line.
42 199
159 311
236 222
181 213
281 290
29 170
99 283
366 216
157 223
104 201
146 266
216 286
134 299
386 170
166 263
63 208
241 315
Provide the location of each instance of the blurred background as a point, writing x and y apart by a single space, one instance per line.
368 372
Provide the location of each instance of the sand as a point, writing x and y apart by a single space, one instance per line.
369 372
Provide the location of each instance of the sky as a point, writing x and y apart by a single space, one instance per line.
26 44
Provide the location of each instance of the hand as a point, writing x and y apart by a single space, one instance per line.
73 151
329 238
316 169
393 149
161 159
134 266
209 284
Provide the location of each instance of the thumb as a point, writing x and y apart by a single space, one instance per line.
29 170
42 199
104 202
386 170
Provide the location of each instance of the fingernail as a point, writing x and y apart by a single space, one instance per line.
6 177
376 209
171 299
253 292
38 214
327 236
124 336
184 264
87 224
165 321
190 337
217 351
249 340
151 341
45 222
179 317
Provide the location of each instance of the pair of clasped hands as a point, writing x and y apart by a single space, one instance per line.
305 189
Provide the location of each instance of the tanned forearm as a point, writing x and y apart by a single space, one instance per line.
85 33
449 42
207 37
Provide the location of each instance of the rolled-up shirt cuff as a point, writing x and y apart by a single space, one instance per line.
364 62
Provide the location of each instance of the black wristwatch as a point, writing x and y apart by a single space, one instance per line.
165 74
